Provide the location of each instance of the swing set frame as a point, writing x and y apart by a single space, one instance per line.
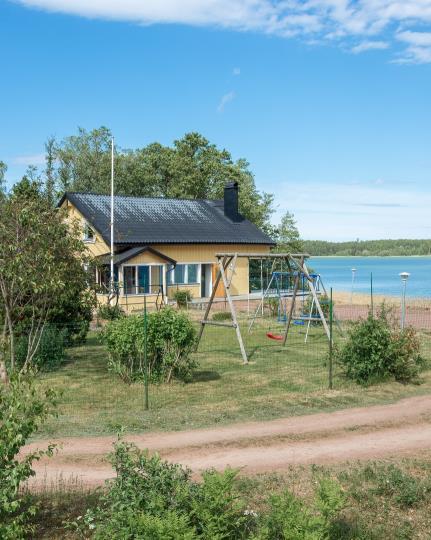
226 269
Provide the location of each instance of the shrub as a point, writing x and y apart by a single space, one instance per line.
50 353
182 298
73 311
273 306
170 340
289 518
325 304
151 498
124 338
376 349
110 313
22 410
222 316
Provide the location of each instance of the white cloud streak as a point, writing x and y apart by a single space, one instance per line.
369 210
374 22
33 159
369 46
230 96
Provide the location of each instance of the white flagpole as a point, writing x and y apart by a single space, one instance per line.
112 223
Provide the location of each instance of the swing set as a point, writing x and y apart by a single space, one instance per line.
279 289
298 281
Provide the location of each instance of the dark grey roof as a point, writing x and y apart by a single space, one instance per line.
141 220
124 256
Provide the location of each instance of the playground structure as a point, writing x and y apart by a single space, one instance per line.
278 288
296 268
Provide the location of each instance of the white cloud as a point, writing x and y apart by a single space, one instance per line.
236 71
369 46
369 211
419 47
34 159
230 96
372 21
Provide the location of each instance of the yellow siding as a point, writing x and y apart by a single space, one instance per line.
196 253
194 289
96 248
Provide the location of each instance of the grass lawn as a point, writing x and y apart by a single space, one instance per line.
277 382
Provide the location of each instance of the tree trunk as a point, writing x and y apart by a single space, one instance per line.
3 373
11 338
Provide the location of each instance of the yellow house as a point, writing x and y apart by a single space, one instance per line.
164 245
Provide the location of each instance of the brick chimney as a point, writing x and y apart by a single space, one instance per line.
231 202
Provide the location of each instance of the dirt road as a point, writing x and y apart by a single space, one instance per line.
403 428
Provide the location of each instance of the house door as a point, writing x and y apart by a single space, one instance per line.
206 280
220 293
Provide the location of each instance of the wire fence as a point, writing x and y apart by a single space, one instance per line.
279 380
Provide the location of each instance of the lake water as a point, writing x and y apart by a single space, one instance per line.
336 272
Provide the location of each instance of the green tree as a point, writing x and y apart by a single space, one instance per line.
50 171
287 234
3 169
23 408
41 257
191 168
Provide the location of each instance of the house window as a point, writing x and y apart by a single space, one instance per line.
192 273
104 277
129 274
184 274
142 279
88 233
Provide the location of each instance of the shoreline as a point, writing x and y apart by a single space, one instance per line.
363 299
370 256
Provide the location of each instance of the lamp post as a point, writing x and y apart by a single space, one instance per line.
404 277
353 284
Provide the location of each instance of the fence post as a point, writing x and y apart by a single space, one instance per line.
331 348
372 294
146 405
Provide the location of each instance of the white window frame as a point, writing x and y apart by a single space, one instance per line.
85 238
150 293
186 274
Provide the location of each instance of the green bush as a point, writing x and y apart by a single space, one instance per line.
325 304
22 410
182 298
376 349
110 313
50 353
222 316
153 499
273 305
170 340
289 518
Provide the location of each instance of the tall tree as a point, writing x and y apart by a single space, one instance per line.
288 237
40 258
191 168
50 172
3 169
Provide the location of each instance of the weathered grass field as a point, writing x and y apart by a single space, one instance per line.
277 382
387 500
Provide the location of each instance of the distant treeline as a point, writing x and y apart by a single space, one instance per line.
363 248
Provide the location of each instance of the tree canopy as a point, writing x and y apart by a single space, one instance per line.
42 270
287 235
191 168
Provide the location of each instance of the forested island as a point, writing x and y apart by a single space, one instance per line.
364 248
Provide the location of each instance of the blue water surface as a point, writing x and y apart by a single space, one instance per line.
337 273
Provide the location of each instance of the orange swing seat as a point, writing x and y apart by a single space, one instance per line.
277 337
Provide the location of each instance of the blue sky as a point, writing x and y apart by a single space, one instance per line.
329 100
